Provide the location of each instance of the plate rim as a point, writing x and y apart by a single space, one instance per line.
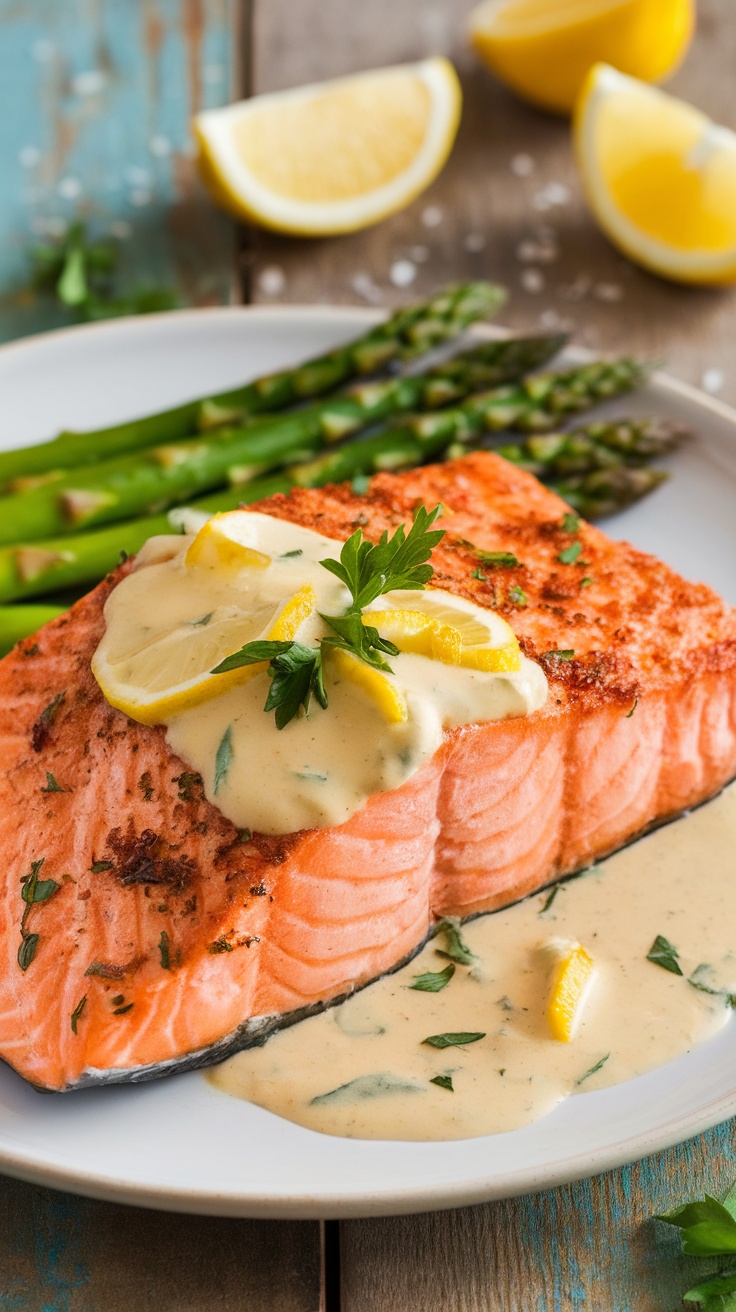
406 1198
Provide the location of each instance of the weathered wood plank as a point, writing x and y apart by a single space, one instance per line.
64 1254
481 210
99 95
590 1245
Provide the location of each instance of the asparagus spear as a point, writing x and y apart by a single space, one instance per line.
408 333
164 475
536 404
604 445
17 622
606 491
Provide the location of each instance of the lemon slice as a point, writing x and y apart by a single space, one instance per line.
448 630
173 672
215 548
543 50
660 178
335 156
572 977
375 683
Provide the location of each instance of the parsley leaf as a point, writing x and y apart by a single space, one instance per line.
517 596
457 1040
501 559
663 954
570 522
52 786
393 564
359 638
223 759
592 1071
565 655
570 554
433 981
707 1228
456 949
443 1081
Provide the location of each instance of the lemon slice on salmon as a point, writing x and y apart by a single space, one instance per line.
215 547
173 672
543 49
332 157
388 698
572 977
450 631
660 178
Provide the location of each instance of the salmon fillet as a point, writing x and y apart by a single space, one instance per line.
188 943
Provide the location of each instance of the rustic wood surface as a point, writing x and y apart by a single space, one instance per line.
101 92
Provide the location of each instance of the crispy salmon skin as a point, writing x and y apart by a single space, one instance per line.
169 939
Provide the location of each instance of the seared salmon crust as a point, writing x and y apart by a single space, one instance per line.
173 939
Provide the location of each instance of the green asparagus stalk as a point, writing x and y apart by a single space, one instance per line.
160 477
605 492
604 445
405 335
536 404
18 622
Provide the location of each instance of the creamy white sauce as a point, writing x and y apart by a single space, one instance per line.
321 768
362 1069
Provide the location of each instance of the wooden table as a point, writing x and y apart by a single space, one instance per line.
97 96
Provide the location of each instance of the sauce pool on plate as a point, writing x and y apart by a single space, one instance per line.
364 1068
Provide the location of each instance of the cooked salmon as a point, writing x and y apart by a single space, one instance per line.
168 939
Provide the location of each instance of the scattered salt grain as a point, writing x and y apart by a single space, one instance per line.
69 188
608 291
575 291
432 216
712 380
90 83
555 193
29 156
159 146
135 176
402 273
271 280
43 51
532 280
419 254
364 286
213 74
537 252
474 242
522 165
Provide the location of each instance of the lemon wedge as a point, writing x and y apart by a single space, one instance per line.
379 687
660 178
173 672
335 156
449 632
572 977
215 548
543 50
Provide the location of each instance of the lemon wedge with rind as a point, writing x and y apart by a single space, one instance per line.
660 178
335 156
387 697
215 548
573 975
544 50
173 673
453 633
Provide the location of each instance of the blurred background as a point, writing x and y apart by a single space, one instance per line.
98 97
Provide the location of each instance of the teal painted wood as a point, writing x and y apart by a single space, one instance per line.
59 1253
592 1245
96 99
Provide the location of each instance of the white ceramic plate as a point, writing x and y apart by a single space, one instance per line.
177 1143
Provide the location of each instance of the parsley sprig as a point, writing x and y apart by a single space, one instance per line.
368 570
708 1229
